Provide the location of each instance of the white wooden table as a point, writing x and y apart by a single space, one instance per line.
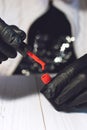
22 107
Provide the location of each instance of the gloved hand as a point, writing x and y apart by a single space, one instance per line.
68 90
11 38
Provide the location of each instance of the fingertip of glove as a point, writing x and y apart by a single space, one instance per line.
13 55
23 35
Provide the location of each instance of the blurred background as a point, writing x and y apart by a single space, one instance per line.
56 32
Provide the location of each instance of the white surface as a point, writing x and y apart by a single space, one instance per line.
22 107
55 120
19 109
19 104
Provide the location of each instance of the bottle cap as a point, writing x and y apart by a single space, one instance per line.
46 78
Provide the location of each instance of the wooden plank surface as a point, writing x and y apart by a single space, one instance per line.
55 120
23 107
19 104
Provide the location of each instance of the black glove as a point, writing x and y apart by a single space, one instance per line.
68 90
11 38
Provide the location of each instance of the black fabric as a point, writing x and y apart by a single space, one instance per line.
46 36
68 90
11 39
